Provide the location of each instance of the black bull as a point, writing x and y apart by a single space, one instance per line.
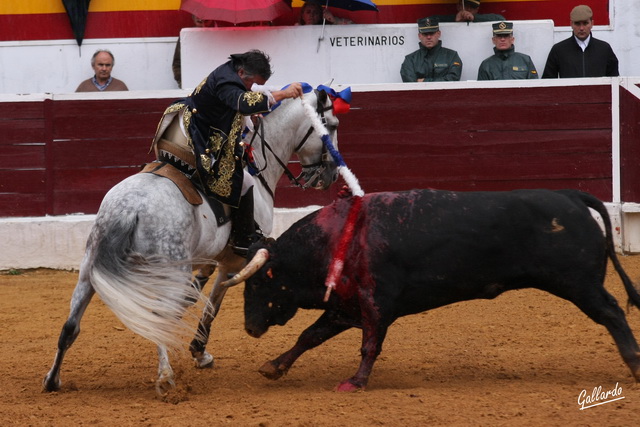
417 250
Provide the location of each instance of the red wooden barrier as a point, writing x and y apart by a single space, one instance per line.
62 156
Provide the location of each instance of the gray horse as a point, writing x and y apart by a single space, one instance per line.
147 241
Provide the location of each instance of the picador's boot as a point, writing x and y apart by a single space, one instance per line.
243 231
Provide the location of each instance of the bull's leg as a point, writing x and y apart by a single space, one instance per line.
603 308
79 301
373 333
166 381
323 329
198 345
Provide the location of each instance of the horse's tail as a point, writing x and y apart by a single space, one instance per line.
149 294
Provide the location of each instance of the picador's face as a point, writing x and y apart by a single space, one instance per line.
249 79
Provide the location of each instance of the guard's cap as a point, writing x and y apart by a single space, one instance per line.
581 13
428 25
475 3
502 27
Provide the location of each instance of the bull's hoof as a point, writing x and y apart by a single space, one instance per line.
349 387
272 370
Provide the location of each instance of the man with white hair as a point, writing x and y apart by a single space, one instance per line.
102 63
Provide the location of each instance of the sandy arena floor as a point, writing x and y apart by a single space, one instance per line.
521 359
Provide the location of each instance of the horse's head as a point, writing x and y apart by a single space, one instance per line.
319 169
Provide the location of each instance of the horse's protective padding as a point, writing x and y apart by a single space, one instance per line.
178 178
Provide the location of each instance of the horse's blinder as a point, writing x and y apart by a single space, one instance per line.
311 172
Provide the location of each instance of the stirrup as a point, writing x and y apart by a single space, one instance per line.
242 248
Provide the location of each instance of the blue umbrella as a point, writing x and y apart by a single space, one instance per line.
349 4
344 4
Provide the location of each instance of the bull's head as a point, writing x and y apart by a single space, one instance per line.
267 299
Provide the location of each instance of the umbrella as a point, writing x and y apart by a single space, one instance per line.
348 4
236 11
77 11
344 4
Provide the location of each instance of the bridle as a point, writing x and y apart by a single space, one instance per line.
309 171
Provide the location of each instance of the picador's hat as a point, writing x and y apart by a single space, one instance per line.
428 25
502 27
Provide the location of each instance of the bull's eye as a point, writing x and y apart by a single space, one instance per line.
270 305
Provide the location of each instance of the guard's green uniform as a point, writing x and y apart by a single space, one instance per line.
507 65
438 64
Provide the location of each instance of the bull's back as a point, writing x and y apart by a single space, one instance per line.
429 248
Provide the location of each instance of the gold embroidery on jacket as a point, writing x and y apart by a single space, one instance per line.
199 87
253 98
216 140
205 162
227 163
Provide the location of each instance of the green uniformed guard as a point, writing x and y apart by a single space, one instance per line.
506 63
432 62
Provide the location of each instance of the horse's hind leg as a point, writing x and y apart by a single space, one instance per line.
198 345
166 381
79 301
603 308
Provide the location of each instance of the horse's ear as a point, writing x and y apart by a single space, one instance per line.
322 97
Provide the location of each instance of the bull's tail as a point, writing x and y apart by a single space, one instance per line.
597 205
149 294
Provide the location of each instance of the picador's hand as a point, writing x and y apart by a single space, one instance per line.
294 90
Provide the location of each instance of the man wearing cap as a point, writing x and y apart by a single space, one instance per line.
581 55
431 62
506 63
468 12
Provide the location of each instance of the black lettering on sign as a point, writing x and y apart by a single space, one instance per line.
359 41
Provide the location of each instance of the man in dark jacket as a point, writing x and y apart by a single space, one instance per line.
432 62
581 55
213 118
506 63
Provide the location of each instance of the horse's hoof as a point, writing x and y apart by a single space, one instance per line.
164 386
272 370
203 360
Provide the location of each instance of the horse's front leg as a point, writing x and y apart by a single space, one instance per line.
79 301
198 345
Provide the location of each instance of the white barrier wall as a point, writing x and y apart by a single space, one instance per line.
59 241
58 66
349 54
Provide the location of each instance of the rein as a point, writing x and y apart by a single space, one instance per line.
320 110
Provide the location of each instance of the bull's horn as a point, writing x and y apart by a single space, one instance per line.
258 260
